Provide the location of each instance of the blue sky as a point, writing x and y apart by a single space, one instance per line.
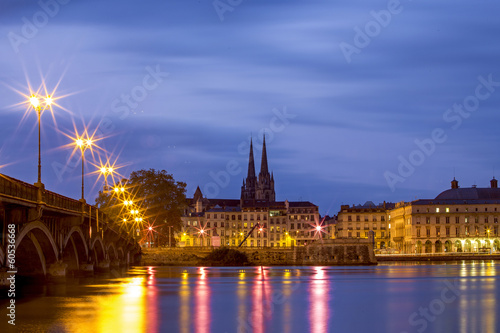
366 100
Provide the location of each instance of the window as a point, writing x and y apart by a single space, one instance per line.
427 220
357 234
245 225
208 216
349 219
382 218
357 218
374 219
233 217
438 231
476 229
447 220
486 219
466 220
447 209
428 232
457 219
495 220
437 210
437 220
215 216
383 234
466 230
457 231
418 232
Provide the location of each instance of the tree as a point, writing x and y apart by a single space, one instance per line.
160 199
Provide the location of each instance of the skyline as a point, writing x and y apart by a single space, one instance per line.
346 93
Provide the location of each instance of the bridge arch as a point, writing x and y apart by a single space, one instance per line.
111 251
121 253
35 249
75 249
97 250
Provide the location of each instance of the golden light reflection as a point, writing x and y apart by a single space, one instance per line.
185 304
318 300
123 310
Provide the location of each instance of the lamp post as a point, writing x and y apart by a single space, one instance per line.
83 144
39 108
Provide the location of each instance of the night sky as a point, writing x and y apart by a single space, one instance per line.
366 100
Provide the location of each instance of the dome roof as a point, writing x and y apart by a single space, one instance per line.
470 193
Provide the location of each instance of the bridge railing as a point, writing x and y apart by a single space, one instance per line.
18 189
59 201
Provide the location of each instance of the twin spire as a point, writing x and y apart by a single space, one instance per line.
263 187
264 169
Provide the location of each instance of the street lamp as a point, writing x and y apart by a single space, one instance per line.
83 144
39 107
105 172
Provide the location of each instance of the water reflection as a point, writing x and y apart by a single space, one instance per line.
271 299
318 300
202 303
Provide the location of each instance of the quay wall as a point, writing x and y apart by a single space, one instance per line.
328 252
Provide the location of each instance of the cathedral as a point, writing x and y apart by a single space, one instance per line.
232 222
262 188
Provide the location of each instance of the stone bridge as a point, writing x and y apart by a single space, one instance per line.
53 234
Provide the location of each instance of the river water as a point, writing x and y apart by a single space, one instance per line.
396 297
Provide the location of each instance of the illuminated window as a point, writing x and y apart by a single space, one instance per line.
447 209
437 209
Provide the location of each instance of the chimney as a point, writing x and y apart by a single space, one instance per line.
454 183
494 183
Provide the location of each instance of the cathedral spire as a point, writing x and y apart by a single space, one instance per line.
251 163
263 166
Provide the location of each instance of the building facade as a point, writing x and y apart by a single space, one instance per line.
457 220
362 221
255 220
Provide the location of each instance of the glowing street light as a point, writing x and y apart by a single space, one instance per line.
83 144
39 107
105 171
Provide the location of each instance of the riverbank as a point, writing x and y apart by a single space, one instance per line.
436 257
326 253
297 257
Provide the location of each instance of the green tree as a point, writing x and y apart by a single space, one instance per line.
155 194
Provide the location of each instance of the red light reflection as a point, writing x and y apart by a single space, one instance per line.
318 302
202 313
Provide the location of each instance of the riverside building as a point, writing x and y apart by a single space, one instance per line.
226 222
457 220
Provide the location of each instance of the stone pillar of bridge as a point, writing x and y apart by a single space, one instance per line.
87 269
58 269
103 266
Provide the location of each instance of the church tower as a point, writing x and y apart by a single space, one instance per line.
261 188
248 188
265 185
